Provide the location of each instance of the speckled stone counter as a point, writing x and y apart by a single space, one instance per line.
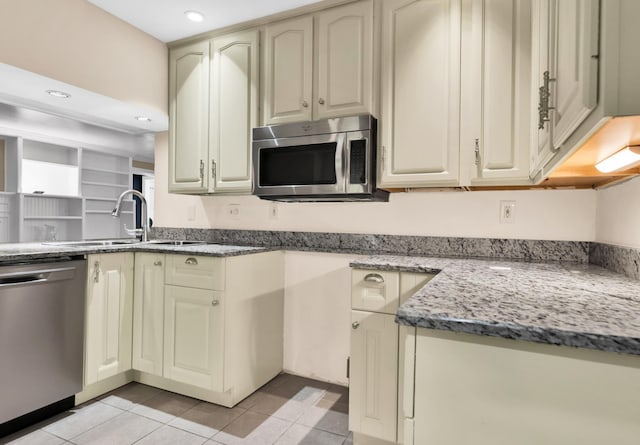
569 304
21 252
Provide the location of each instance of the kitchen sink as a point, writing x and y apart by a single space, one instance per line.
170 242
93 243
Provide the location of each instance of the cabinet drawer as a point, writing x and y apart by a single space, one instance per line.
195 271
376 291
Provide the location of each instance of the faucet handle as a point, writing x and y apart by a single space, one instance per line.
132 231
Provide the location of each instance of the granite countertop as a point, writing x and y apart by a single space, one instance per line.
567 304
34 251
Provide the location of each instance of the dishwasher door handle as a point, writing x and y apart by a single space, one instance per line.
36 276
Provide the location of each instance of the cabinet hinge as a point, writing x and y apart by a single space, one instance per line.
544 94
348 364
382 161
201 170
213 169
477 150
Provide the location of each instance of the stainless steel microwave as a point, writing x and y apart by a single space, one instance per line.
326 160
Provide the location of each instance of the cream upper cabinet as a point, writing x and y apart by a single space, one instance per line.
288 68
148 313
189 118
336 82
420 116
108 321
344 70
566 70
234 110
496 92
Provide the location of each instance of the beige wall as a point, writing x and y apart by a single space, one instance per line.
618 214
540 214
143 165
78 43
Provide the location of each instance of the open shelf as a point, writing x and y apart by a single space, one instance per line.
53 217
106 184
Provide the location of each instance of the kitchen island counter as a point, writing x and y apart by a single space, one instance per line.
568 304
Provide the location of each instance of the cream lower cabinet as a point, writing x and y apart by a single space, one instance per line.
108 323
485 390
148 313
209 327
375 374
194 334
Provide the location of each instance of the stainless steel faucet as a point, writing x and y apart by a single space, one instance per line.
144 231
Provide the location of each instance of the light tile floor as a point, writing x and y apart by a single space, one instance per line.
288 410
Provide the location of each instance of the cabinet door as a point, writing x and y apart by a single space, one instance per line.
496 125
148 313
108 321
288 54
541 148
234 110
420 122
189 118
345 61
193 337
574 65
373 379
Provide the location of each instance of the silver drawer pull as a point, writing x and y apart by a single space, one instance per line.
215 303
191 260
374 278
355 325
157 263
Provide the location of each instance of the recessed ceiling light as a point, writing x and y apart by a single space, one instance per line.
143 118
59 94
194 16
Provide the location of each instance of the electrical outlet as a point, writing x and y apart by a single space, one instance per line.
507 212
273 210
233 210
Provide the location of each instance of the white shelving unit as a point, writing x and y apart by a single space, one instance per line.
103 178
58 192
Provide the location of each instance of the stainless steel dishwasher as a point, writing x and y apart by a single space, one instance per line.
41 339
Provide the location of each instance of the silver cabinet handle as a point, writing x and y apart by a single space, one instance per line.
215 302
321 101
374 278
305 104
157 263
355 325
191 260
96 272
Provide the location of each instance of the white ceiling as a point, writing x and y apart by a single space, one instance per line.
165 19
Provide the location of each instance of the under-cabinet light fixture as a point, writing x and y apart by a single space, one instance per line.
143 118
58 94
194 16
626 158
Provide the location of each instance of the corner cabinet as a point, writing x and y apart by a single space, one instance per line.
213 90
338 81
148 312
565 70
108 323
375 374
420 116
189 118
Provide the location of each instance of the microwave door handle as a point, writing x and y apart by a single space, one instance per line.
342 161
